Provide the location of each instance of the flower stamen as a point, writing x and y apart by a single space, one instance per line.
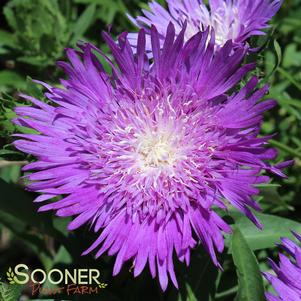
156 150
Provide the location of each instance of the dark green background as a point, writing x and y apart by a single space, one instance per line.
33 35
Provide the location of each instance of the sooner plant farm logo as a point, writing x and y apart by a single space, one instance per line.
70 282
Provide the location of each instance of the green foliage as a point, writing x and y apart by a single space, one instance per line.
274 228
40 30
83 22
250 286
106 11
33 36
9 292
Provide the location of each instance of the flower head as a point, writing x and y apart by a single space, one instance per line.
143 155
286 282
235 20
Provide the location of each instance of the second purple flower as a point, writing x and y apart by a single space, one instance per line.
286 279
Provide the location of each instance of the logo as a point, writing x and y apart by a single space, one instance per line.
56 281
10 276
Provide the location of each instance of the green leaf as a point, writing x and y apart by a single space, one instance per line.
273 62
190 294
292 57
38 61
83 22
289 77
250 284
278 53
106 9
10 171
10 17
285 148
274 228
4 152
10 292
10 78
19 205
6 38
41 31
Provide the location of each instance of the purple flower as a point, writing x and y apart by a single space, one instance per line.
287 281
144 155
235 20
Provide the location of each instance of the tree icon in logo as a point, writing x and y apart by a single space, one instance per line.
103 285
10 276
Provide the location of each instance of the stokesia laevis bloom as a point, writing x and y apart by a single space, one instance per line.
235 20
145 154
287 278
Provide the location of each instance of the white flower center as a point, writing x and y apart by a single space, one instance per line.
156 150
225 22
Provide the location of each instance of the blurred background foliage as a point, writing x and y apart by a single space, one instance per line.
33 35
